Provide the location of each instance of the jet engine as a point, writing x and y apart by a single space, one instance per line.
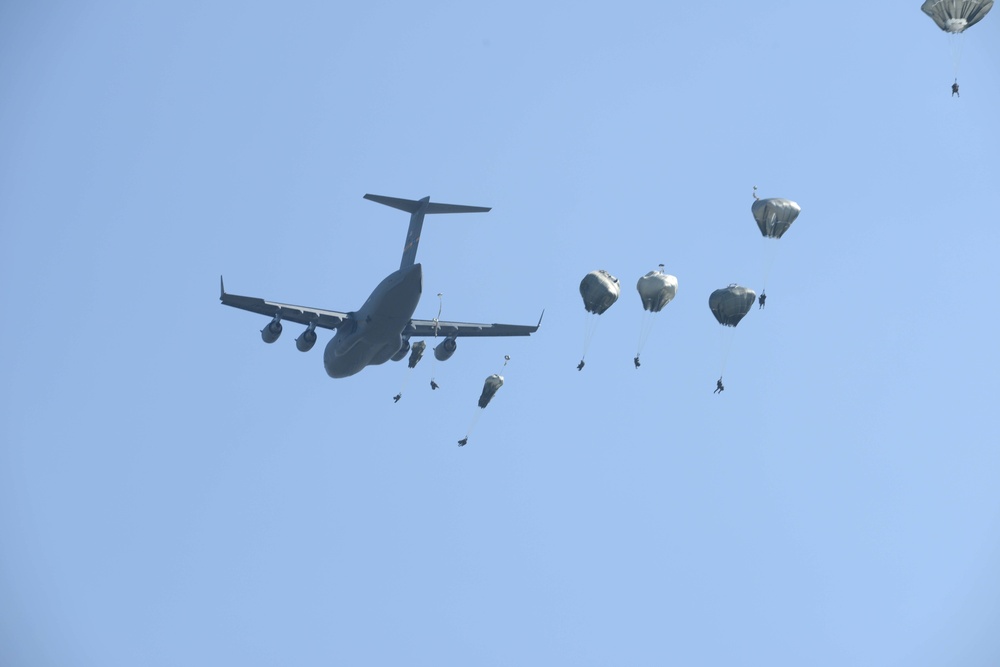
445 349
404 347
270 333
306 339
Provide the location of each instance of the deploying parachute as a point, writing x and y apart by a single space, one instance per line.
416 353
656 289
490 388
731 304
955 17
599 290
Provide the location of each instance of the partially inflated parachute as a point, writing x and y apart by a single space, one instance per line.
490 387
731 304
955 16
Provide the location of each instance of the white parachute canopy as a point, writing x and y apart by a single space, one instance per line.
656 289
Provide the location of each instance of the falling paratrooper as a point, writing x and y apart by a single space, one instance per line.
599 290
955 17
656 289
773 216
729 305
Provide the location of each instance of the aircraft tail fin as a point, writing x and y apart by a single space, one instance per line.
417 210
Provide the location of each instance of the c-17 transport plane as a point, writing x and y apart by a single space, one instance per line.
381 329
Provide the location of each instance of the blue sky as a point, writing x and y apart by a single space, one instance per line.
173 491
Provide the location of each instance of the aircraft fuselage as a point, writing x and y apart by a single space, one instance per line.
375 332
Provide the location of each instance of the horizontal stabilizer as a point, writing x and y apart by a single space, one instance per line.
417 210
412 206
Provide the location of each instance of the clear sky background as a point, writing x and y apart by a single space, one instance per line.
175 492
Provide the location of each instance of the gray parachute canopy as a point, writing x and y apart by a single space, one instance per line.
490 387
599 290
656 289
956 15
774 216
730 304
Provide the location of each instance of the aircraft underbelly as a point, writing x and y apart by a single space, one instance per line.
381 321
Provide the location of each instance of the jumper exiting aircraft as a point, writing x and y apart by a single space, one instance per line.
381 329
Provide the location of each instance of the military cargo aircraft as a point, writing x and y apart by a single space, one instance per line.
381 329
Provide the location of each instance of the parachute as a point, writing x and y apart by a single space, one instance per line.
956 16
599 290
490 387
416 353
656 289
774 216
731 304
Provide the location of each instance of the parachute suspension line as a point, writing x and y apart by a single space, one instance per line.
770 255
645 329
473 423
957 42
434 385
726 336
402 386
589 328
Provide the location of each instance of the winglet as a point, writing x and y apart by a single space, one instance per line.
540 319
222 288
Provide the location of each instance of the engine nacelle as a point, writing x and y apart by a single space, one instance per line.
270 333
404 347
445 349
306 339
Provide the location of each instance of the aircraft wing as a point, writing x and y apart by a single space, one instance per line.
324 319
424 328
